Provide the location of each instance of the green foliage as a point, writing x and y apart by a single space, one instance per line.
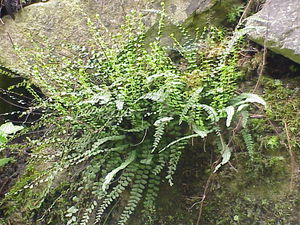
248 141
6 72
4 161
119 112
6 130
235 13
273 143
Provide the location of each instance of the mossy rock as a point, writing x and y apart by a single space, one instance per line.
55 22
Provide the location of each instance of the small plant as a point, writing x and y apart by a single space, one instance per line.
121 112
6 130
235 13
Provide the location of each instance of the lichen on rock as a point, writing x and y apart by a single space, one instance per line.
277 26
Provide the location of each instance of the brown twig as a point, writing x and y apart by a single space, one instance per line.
3 185
294 169
203 197
262 67
208 182
273 126
245 11
11 41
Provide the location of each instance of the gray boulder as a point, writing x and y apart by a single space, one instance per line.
65 20
277 26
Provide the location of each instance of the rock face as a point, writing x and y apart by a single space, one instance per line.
278 26
60 20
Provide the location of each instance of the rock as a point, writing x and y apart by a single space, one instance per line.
65 20
9 7
278 26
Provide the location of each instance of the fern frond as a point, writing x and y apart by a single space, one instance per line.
248 141
137 190
245 116
7 72
160 162
175 153
125 179
160 125
179 140
191 102
149 208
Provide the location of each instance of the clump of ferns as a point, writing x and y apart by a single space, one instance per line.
122 112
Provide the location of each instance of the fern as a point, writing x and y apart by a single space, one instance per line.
175 153
149 207
125 180
190 104
7 72
160 162
135 195
248 142
116 115
159 131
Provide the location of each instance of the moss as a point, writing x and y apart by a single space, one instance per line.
216 16
257 191
35 207
14 199
56 202
249 209
213 16
171 208
256 194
